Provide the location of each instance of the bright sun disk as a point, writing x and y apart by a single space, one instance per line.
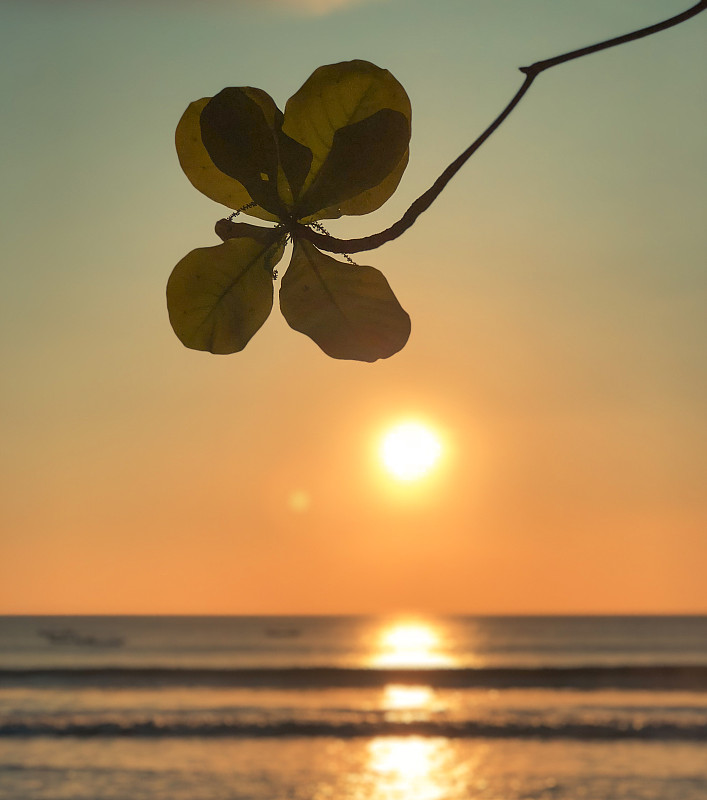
410 450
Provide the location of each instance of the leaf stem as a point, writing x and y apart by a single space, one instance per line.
334 245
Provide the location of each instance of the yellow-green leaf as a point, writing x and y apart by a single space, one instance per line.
240 130
341 96
349 311
202 172
218 297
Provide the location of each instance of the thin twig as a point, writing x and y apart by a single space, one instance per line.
334 245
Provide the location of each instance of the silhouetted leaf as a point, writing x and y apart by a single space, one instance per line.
200 169
218 297
336 97
239 128
349 311
296 161
367 201
362 156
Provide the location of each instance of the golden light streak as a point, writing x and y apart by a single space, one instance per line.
410 768
410 644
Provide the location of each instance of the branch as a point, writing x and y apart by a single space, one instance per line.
334 245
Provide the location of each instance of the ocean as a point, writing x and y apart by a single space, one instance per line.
353 708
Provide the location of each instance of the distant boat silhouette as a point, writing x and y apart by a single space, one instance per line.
72 638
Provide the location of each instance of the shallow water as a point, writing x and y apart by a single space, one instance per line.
381 768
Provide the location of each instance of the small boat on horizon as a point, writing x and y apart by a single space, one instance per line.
71 638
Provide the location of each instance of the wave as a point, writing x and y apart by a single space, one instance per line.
667 677
349 730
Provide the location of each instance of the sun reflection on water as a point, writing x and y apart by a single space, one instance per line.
410 767
411 645
411 704
397 697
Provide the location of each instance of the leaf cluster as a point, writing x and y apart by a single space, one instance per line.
340 148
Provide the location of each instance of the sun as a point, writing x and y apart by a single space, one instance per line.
410 451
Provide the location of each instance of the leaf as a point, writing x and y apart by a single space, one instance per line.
362 156
367 201
239 128
202 172
333 98
296 161
218 297
349 311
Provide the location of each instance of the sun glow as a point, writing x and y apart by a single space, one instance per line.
398 697
410 637
410 451
410 767
410 645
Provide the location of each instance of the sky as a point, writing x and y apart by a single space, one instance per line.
557 292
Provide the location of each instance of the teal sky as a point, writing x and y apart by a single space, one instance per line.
557 291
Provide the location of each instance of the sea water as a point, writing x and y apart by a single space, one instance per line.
353 708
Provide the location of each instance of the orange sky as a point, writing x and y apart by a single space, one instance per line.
557 293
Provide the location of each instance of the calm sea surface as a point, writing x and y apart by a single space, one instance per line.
353 708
